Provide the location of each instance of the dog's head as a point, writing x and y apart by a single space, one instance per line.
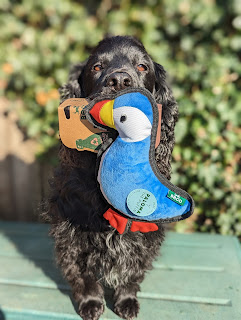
116 64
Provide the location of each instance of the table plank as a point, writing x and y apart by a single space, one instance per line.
197 276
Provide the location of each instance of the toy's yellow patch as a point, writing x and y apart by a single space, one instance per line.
106 114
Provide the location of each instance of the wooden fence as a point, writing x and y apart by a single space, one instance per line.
23 180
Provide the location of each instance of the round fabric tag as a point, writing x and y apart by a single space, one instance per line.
141 202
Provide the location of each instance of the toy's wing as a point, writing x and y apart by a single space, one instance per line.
75 131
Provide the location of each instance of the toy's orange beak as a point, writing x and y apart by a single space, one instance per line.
102 112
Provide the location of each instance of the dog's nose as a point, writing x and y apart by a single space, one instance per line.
119 80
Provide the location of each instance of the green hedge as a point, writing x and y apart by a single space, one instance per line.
198 42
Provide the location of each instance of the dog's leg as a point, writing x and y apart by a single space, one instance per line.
87 292
126 303
89 295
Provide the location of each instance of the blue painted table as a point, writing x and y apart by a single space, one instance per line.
197 277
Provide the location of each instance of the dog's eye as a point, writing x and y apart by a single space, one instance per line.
97 67
141 67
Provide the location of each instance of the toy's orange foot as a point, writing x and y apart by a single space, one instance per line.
127 308
91 310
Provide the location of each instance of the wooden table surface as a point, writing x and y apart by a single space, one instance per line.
197 277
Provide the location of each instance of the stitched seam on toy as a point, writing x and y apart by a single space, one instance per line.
156 171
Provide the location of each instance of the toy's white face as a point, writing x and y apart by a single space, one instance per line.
132 124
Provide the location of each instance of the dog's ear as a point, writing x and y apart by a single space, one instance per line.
76 70
163 94
73 88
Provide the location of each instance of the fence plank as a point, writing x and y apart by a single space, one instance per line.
23 180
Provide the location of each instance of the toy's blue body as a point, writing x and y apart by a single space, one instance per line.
128 175
118 178
125 167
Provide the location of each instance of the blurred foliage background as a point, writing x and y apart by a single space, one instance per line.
198 43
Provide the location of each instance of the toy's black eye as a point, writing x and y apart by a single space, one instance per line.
141 67
97 67
123 118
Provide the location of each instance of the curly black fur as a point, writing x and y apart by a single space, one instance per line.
89 251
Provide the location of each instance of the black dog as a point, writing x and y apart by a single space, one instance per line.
89 251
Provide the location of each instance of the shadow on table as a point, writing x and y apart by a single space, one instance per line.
32 241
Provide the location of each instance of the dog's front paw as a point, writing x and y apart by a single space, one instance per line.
91 309
127 308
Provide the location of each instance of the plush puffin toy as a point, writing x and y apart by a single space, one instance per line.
128 176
